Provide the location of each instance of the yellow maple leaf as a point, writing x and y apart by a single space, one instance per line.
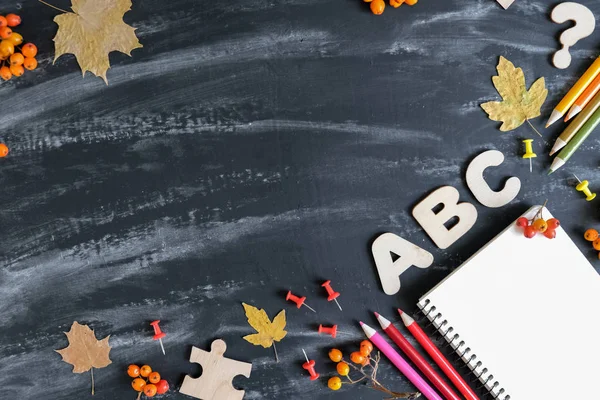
84 351
93 30
518 104
267 331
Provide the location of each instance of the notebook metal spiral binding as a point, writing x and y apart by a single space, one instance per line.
465 353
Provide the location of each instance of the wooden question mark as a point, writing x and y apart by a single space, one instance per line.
505 3
584 26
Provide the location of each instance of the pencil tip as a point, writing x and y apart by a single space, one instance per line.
376 314
361 323
400 312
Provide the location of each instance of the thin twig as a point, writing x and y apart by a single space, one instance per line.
357 381
372 377
50 5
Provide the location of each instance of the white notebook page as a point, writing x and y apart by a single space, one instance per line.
529 309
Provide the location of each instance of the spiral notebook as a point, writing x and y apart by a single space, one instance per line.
524 314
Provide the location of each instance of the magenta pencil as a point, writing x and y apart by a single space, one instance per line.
400 363
417 359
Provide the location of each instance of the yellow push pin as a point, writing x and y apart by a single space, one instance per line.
529 151
583 187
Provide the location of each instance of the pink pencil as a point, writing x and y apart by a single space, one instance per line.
417 359
400 363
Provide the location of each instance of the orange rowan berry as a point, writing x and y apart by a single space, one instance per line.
17 59
133 371
150 390
29 50
13 20
17 70
3 150
3 21
596 244
154 377
5 32
138 384
342 368
357 358
540 225
377 7
590 235
334 383
6 48
16 39
335 355
30 63
5 73
145 370
411 2
366 348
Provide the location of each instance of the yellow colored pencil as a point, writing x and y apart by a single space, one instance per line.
572 95
577 123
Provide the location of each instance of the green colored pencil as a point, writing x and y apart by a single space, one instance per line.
577 140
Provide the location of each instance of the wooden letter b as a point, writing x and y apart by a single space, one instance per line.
434 222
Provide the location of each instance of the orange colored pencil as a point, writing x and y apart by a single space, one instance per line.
584 98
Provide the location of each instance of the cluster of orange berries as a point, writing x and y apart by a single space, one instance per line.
361 357
538 225
147 381
591 235
17 62
377 6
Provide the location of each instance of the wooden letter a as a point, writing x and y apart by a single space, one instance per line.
390 270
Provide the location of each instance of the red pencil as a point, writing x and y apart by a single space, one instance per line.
437 356
416 358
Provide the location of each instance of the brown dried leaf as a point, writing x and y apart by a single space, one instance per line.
85 351
95 29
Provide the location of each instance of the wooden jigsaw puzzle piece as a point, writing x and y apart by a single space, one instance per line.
217 374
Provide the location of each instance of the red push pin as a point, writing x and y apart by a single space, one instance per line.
158 334
331 294
328 330
298 300
309 365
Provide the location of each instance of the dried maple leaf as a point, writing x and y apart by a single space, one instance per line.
268 332
93 30
519 104
85 352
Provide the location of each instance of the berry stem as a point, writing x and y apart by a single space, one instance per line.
372 377
539 212
59 9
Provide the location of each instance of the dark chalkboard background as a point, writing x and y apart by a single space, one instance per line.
250 147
